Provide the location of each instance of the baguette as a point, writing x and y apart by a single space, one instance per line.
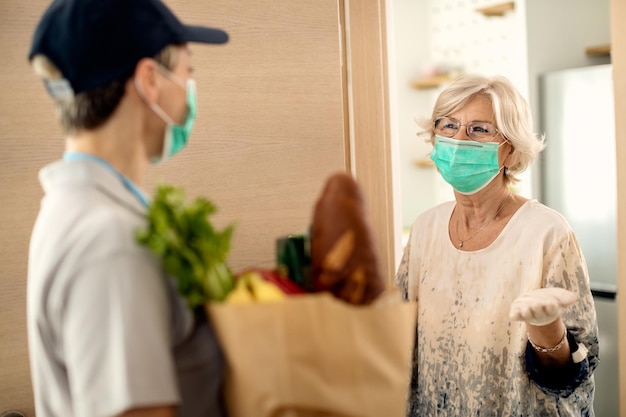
343 254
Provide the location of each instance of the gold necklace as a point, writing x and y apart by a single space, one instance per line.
462 241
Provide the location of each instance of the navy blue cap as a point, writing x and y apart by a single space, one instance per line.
95 42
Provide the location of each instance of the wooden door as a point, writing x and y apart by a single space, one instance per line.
298 93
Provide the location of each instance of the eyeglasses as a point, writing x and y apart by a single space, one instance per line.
478 131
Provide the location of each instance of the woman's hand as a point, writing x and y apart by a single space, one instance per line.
542 306
541 310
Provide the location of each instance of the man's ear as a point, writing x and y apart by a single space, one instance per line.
146 80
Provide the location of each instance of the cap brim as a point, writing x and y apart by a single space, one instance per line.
203 34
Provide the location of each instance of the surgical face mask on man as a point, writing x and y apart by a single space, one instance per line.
466 165
176 136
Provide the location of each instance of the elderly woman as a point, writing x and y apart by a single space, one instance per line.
506 323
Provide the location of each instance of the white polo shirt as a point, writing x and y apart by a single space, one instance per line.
107 330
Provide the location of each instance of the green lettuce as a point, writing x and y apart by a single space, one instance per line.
193 252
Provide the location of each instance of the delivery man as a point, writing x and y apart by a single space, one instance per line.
108 333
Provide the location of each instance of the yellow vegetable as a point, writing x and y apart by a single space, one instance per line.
251 287
240 294
262 289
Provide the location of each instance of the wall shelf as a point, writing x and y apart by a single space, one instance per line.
600 50
424 163
497 9
430 82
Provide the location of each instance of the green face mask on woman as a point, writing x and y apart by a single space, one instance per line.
466 165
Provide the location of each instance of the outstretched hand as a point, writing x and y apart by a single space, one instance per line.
542 306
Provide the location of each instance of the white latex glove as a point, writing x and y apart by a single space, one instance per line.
542 306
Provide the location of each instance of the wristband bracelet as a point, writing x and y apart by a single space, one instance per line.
578 350
552 349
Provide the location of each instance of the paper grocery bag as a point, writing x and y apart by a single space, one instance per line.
314 355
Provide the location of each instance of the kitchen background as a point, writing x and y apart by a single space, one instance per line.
548 50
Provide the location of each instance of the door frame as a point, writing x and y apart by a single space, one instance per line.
366 72
618 59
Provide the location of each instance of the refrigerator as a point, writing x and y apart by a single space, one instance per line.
578 179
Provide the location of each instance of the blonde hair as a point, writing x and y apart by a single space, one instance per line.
90 109
511 111
44 68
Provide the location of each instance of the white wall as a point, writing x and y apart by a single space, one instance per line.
411 47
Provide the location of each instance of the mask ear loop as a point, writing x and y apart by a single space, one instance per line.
167 140
173 77
155 107
159 111
506 140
